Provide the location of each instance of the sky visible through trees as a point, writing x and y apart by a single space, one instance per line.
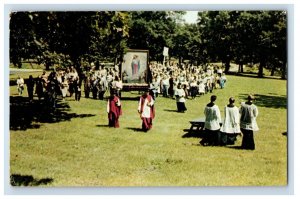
191 16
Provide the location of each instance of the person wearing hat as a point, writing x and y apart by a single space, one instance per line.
146 110
114 110
248 112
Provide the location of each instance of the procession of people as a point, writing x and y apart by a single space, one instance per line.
176 82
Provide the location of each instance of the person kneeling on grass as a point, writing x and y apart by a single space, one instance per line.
231 125
212 123
114 110
146 110
248 123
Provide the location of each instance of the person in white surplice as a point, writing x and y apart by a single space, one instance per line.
248 112
212 123
231 125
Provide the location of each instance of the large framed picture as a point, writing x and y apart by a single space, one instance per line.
135 66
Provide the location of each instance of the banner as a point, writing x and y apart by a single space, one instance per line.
166 51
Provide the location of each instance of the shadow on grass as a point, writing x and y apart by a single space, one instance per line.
130 98
28 180
254 75
193 134
235 147
168 110
135 129
102 125
284 133
269 101
24 115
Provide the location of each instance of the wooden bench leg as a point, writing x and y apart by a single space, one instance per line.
199 126
196 127
191 129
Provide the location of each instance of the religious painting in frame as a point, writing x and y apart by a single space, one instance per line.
135 66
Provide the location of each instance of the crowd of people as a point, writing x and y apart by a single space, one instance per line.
171 81
185 81
69 82
174 81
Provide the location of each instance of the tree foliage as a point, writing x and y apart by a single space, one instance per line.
67 36
243 37
152 31
246 37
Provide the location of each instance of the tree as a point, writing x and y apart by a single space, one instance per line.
245 37
181 40
268 41
51 37
22 37
222 36
68 38
152 30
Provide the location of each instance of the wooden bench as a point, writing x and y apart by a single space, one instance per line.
198 124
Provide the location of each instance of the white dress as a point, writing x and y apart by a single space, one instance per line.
231 122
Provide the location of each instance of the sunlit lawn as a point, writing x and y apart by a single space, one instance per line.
74 146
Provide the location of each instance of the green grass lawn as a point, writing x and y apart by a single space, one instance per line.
74 146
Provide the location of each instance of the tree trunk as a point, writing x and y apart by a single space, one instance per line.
47 65
227 66
115 59
179 61
273 71
19 64
241 68
261 68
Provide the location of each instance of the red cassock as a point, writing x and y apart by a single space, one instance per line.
114 112
147 121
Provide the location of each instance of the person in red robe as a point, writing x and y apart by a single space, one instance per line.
146 110
114 110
